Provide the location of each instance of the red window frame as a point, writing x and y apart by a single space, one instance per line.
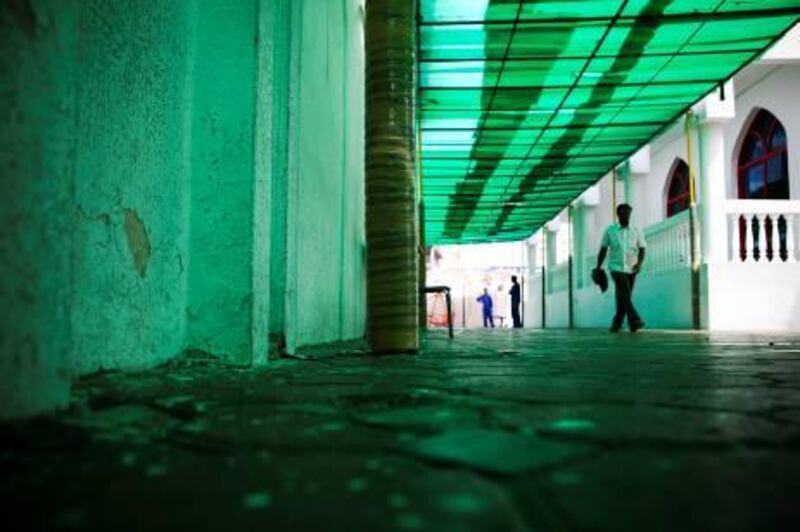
763 128
678 203
756 129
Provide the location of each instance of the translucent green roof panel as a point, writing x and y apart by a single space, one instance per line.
523 105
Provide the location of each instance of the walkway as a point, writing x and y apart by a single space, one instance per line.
498 430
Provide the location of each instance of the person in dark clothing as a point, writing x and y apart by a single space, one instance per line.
486 301
515 301
627 245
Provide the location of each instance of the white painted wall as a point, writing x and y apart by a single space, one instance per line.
557 310
734 296
533 306
663 300
754 297
776 89
772 87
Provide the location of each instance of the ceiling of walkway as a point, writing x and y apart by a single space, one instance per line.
525 104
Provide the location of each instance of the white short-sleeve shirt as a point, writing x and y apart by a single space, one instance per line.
623 245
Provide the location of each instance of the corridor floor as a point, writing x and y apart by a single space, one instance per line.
495 430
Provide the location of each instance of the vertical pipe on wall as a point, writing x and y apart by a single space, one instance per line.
523 298
693 233
391 211
613 194
422 310
423 274
544 279
570 275
463 305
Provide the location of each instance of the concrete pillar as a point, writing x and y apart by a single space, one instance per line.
391 211
534 259
227 311
623 184
714 231
37 165
638 166
627 186
552 229
579 244
533 285
711 174
583 247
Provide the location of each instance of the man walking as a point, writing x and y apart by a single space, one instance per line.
627 249
486 301
515 300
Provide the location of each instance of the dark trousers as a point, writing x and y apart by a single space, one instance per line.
623 286
515 315
488 319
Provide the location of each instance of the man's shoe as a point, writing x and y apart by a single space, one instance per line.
636 326
614 330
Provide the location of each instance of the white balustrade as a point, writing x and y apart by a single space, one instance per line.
749 241
791 243
735 241
668 248
772 241
761 227
761 245
668 244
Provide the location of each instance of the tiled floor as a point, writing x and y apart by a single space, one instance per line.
496 430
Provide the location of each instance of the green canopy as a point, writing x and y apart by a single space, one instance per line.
525 104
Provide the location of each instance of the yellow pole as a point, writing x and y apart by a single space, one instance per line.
692 192
613 194
570 274
544 277
695 241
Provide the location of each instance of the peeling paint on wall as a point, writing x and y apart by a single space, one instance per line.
132 183
137 145
138 242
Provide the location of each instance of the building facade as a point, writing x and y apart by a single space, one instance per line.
727 260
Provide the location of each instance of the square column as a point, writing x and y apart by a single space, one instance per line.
711 174
581 245
637 166
552 227
714 230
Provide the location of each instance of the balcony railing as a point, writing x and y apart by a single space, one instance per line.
668 244
762 231
759 231
668 248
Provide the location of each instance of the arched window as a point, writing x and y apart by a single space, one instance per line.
678 189
763 161
763 173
